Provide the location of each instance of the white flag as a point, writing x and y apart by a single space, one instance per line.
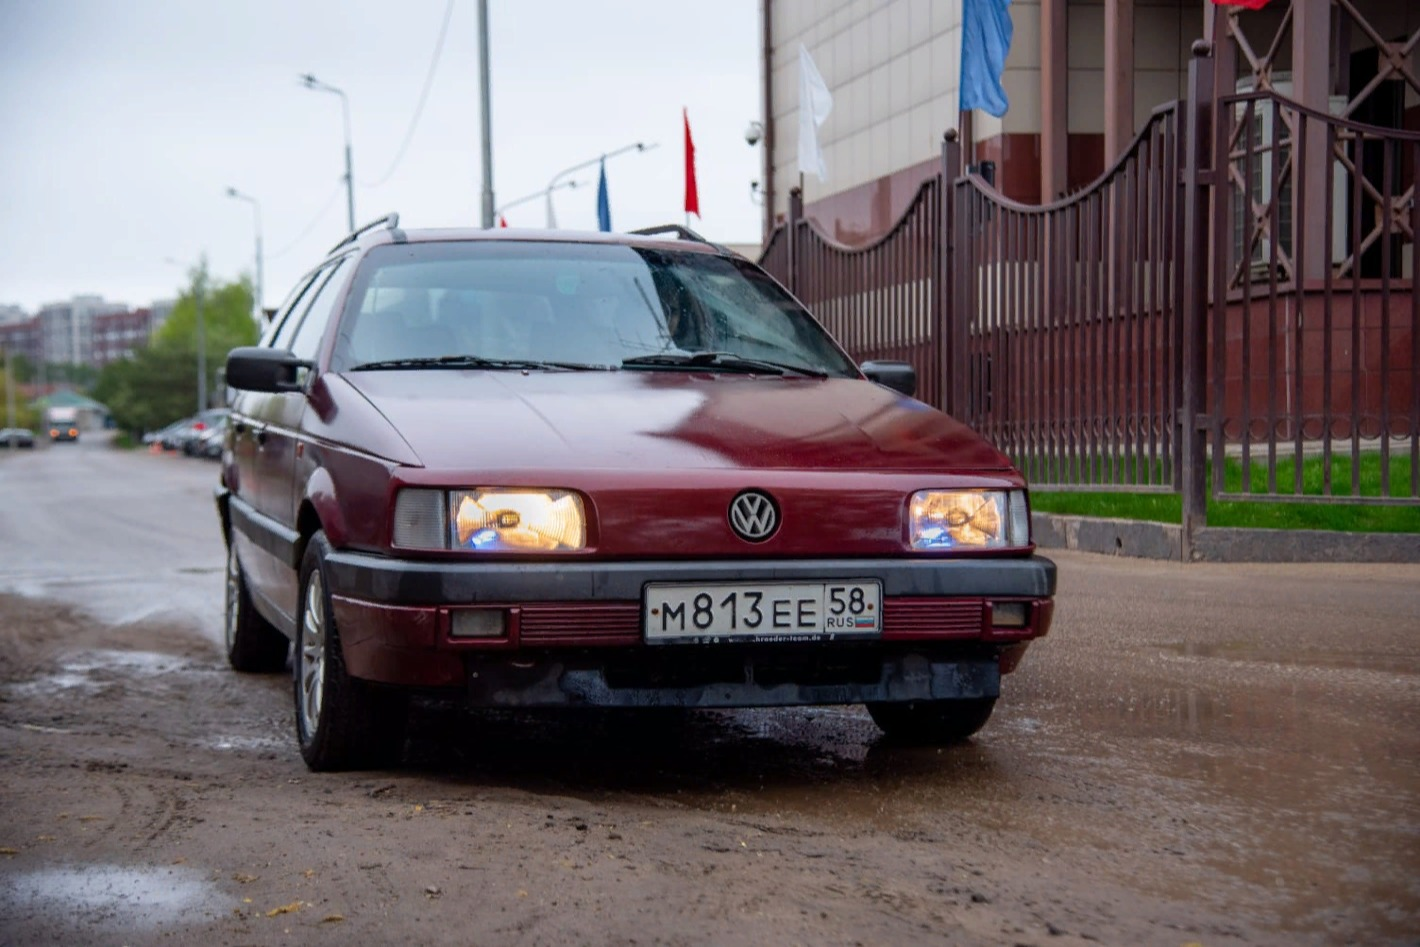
815 103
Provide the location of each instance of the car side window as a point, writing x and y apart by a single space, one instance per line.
279 322
306 341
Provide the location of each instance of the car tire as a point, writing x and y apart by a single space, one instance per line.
932 721
341 721
254 645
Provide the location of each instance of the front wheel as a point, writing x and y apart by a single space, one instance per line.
933 721
341 721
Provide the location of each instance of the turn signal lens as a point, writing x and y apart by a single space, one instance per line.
497 519
420 519
976 519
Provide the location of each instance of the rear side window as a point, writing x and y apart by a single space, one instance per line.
283 315
306 342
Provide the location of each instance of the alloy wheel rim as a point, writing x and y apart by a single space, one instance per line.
312 682
233 599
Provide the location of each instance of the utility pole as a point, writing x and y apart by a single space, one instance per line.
488 220
201 344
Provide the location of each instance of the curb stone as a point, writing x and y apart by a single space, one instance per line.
1150 540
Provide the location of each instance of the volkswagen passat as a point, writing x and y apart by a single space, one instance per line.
567 470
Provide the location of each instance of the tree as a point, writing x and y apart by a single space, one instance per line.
158 384
25 415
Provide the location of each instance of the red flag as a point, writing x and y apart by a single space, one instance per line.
1245 4
502 221
692 194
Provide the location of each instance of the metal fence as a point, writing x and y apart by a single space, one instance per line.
1314 391
1229 310
1071 315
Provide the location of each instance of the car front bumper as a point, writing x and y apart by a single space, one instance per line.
573 635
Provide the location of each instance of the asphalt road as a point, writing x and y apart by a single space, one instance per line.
1202 754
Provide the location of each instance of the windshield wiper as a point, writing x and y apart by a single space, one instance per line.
727 361
476 361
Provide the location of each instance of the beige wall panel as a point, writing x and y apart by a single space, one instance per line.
899 144
919 74
899 86
1156 31
899 17
1152 88
945 16
1085 24
944 51
1025 36
1023 92
1085 101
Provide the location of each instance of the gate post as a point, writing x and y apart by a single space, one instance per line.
1193 277
796 213
950 356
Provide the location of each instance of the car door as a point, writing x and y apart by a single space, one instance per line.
260 563
281 421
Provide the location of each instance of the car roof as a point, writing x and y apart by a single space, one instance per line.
670 237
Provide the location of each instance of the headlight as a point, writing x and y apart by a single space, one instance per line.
490 519
514 519
974 519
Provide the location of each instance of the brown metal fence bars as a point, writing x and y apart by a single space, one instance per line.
1315 336
1229 310
1071 310
881 300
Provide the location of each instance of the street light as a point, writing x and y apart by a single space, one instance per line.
552 185
311 82
256 209
544 193
201 331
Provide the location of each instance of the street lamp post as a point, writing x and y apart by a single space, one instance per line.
552 185
311 82
486 114
197 288
544 193
256 209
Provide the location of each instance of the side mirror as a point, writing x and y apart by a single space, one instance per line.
899 376
256 368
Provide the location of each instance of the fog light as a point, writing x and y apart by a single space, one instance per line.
478 623
1008 614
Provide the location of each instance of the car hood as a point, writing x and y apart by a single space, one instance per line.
647 420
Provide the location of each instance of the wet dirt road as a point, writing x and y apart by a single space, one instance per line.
1209 755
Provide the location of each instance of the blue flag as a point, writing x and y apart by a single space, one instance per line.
985 41
603 205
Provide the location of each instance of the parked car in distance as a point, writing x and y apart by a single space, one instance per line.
209 443
596 470
178 437
17 437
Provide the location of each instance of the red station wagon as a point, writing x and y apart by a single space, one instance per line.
544 469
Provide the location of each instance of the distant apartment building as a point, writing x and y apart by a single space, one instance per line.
86 330
116 334
12 314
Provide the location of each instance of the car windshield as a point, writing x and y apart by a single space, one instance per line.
541 304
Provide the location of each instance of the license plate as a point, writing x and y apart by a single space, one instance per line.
762 611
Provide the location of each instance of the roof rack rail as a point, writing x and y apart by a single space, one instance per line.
684 233
391 220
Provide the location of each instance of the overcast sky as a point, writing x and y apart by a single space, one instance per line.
123 123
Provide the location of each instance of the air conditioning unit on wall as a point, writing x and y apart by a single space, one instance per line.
1269 155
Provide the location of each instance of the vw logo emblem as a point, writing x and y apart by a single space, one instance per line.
753 516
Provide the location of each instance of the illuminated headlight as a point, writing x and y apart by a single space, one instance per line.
973 519
490 519
495 519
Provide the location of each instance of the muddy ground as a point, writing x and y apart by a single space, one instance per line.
1209 755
